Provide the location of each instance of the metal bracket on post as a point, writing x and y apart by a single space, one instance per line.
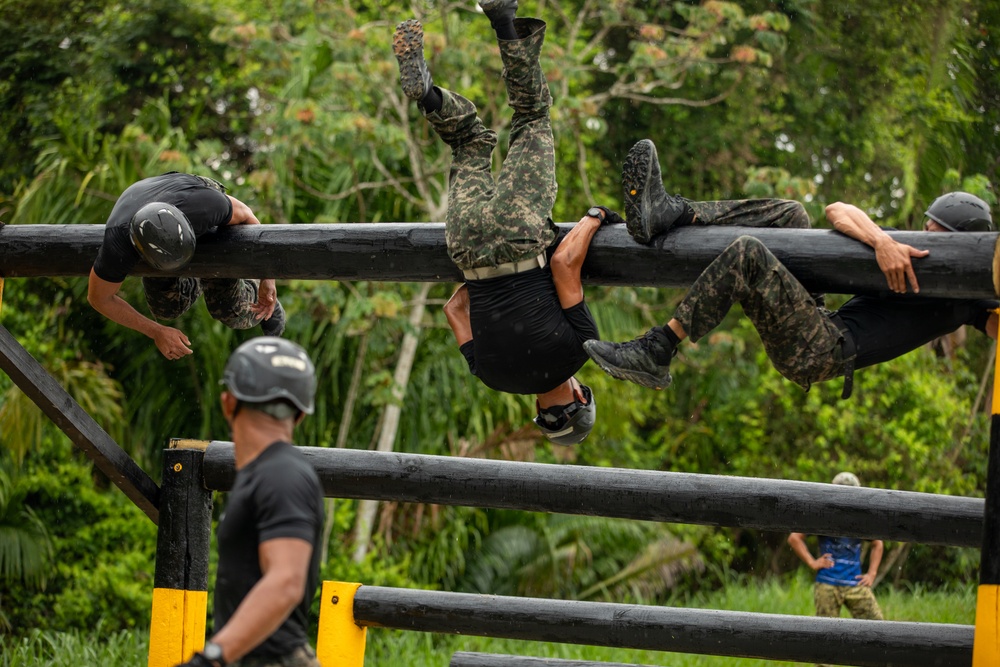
986 645
180 585
340 640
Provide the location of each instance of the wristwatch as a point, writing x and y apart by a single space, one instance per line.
595 212
213 653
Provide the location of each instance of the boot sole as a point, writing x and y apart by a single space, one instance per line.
636 171
408 46
641 378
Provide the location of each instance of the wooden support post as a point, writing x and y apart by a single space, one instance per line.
340 641
80 427
180 585
986 647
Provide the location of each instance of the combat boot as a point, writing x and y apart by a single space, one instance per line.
499 11
649 210
408 46
644 360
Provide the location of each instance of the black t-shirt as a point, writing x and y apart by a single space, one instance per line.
886 327
205 207
276 495
523 342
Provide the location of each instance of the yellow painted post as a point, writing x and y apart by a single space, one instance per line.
1 294
986 644
178 626
340 641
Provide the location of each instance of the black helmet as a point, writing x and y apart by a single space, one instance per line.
163 236
568 424
270 369
961 212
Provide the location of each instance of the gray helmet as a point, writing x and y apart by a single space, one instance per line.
568 424
269 369
163 236
846 479
961 212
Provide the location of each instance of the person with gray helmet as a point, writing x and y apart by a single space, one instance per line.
806 342
520 318
158 220
839 578
269 533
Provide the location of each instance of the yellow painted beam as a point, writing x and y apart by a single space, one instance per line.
177 629
986 645
340 641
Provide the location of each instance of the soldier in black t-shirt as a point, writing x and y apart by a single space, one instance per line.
269 533
157 220
805 342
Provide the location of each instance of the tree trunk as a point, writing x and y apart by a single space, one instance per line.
389 424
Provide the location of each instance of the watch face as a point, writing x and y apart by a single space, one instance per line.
213 652
596 213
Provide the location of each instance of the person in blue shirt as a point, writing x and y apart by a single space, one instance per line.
839 578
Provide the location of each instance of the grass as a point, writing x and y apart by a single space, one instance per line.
792 596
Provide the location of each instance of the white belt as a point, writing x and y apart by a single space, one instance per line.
507 269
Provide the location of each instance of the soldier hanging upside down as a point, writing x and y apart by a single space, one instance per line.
805 342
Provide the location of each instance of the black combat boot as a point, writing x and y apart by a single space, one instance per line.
408 45
649 210
644 360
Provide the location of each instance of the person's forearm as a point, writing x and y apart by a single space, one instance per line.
567 261
875 557
855 223
118 310
260 613
457 313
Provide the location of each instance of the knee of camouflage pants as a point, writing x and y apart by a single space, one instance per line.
229 301
169 298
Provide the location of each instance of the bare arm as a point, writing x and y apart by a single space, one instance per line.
267 293
284 563
103 296
798 544
894 258
874 560
567 261
457 312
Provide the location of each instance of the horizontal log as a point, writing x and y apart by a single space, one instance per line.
959 265
808 639
472 659
672 497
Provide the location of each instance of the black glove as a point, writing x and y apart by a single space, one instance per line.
610 217
198 660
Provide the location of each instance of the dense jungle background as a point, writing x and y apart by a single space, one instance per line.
294 104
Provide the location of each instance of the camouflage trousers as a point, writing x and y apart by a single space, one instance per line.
859 600
228 300
751 213
303 656
801 341
495 221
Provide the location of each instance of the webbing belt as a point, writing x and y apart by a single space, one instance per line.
850 352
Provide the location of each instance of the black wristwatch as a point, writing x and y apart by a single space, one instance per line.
595 212
213 653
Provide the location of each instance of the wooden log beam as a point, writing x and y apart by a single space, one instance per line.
959 265
80 427
808 639
650 495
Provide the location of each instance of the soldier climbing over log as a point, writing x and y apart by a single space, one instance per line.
805 342
158 220
520 318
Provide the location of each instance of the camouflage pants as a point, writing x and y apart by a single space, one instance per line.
303 656
751 213
859 600
492 222
228 300
801 341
